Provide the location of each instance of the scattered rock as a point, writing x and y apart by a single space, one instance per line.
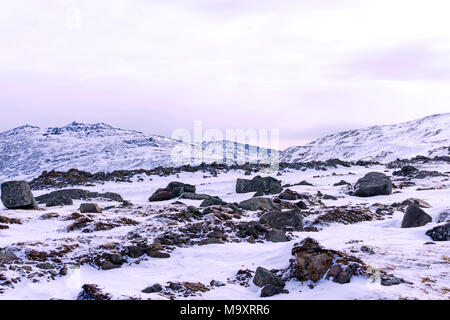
341 183
282 219
59 201
270 290
264 277
440 233
444 216
154 288
62 196
212 201
276 236
90 208
373 184
417 202
266 185
415 217
92 292
255 204
161 195
17 195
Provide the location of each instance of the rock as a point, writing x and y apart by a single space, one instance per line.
178 188
287 196
281 219
406 171
302 205
76 194
444 216
312 263
266 185
212 201
136 251
59 201
270 290
341 183
373 184
45 266
116 258
388 280
417 202
108 265
17 195
161 195
157 254
264 277
276 236
329 197
440 233
154 288
92 292
7 258
194 196
415 217
255 204
90 208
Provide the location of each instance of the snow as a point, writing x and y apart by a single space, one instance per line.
402 252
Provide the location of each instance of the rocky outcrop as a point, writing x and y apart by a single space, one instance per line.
17 195
373 184
266 185
415 217
283 219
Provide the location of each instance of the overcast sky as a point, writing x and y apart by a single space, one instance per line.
305 67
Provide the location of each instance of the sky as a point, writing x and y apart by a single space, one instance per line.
306 68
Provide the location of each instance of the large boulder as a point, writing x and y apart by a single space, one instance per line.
373 184
255 204
415 217
17 195
440 233
266 185
282 219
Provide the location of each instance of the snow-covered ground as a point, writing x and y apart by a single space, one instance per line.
402 252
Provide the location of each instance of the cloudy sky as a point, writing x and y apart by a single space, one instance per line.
305 67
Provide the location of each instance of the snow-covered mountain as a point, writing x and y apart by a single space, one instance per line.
27 151
429 136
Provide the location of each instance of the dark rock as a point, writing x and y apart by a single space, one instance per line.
440 233
136 251
161 195
154 288
90 208
45 266
415 217
6 257
417 202
281 219
276 236
329 197
59 201
270 290
255 204
264 277
212 201
373 184
266 185
17 195
108 265
287 196
178 188
302 205
341 183
194 196
406 171
388 280
76 194
157 254
92 292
